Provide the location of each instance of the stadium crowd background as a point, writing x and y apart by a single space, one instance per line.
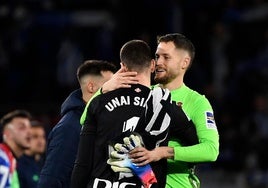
42 42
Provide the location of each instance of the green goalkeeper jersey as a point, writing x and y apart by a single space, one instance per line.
199 110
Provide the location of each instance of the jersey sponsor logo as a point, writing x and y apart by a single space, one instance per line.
210 121
108 184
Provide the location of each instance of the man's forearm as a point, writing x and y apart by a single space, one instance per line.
165 152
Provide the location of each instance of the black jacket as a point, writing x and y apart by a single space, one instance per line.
62 144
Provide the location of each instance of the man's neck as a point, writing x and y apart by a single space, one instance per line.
144 80
174 84
171 87
86 97
16 150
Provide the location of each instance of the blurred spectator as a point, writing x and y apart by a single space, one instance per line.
30 164
220 64
69 58
15 129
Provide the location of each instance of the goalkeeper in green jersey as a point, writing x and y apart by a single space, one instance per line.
174 56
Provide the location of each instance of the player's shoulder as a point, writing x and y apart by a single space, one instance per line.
195 97
194 93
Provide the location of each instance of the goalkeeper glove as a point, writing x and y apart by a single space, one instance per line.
120 161
117 156
133 141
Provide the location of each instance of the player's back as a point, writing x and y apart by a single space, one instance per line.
112 114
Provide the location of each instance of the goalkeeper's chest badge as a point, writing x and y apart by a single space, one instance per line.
179 104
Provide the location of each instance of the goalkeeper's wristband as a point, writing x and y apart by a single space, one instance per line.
145 174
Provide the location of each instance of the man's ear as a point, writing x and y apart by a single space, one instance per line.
123 65
186 62
153 62
6 134
90 87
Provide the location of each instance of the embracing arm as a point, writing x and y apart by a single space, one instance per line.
141 156
205 150
121 79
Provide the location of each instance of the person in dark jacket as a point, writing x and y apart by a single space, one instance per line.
62 142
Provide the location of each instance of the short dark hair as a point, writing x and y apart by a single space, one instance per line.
136 55
36 124
180 41
94 67
14 114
